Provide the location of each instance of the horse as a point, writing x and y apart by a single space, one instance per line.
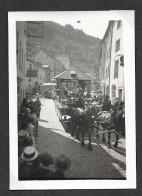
112 120
83 123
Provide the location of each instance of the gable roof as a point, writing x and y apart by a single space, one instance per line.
79 74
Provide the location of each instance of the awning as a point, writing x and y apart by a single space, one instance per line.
49 84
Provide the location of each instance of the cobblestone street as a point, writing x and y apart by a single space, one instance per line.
102 162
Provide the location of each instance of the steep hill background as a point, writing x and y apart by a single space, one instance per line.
83 50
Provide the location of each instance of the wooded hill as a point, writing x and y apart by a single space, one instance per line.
82 49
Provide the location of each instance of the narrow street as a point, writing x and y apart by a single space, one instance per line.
102 162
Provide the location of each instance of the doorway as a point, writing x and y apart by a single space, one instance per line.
120 94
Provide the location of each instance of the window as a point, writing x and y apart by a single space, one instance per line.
17 45
109 52
106 72
107 90
117 45
30 66
20 56
118 24
116 69
120 94
103 73
22 61
23 94
113 90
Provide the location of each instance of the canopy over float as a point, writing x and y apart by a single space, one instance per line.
46 86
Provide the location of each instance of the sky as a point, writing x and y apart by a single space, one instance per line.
91 27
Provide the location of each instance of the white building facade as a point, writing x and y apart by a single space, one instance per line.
111 70
117 88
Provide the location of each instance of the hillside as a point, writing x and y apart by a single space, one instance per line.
83 50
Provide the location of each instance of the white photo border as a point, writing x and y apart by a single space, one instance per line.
129 71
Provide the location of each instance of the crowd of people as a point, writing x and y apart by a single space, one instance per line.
32 165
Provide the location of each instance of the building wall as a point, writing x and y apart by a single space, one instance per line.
30 81
41 76
64 59
44 59
104 71
21 59
117 82
58 68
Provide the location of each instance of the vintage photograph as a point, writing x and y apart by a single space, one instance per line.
71 100
72 95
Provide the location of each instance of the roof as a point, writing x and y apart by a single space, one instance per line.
79 74
33 61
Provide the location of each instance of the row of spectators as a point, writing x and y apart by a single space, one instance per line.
35 166
32 165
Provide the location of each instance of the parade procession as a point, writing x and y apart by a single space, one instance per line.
71 101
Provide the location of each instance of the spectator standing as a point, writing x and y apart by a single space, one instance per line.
43 171
29 165
61 164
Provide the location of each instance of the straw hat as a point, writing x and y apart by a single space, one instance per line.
29 153
23 134
62 163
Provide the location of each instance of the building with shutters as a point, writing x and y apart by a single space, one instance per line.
111 70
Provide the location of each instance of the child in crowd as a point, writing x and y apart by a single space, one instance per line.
43 171
31 129
35 121
61 164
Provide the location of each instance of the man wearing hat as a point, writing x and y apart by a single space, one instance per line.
61 164
43 171
29 165
106 103
21 137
